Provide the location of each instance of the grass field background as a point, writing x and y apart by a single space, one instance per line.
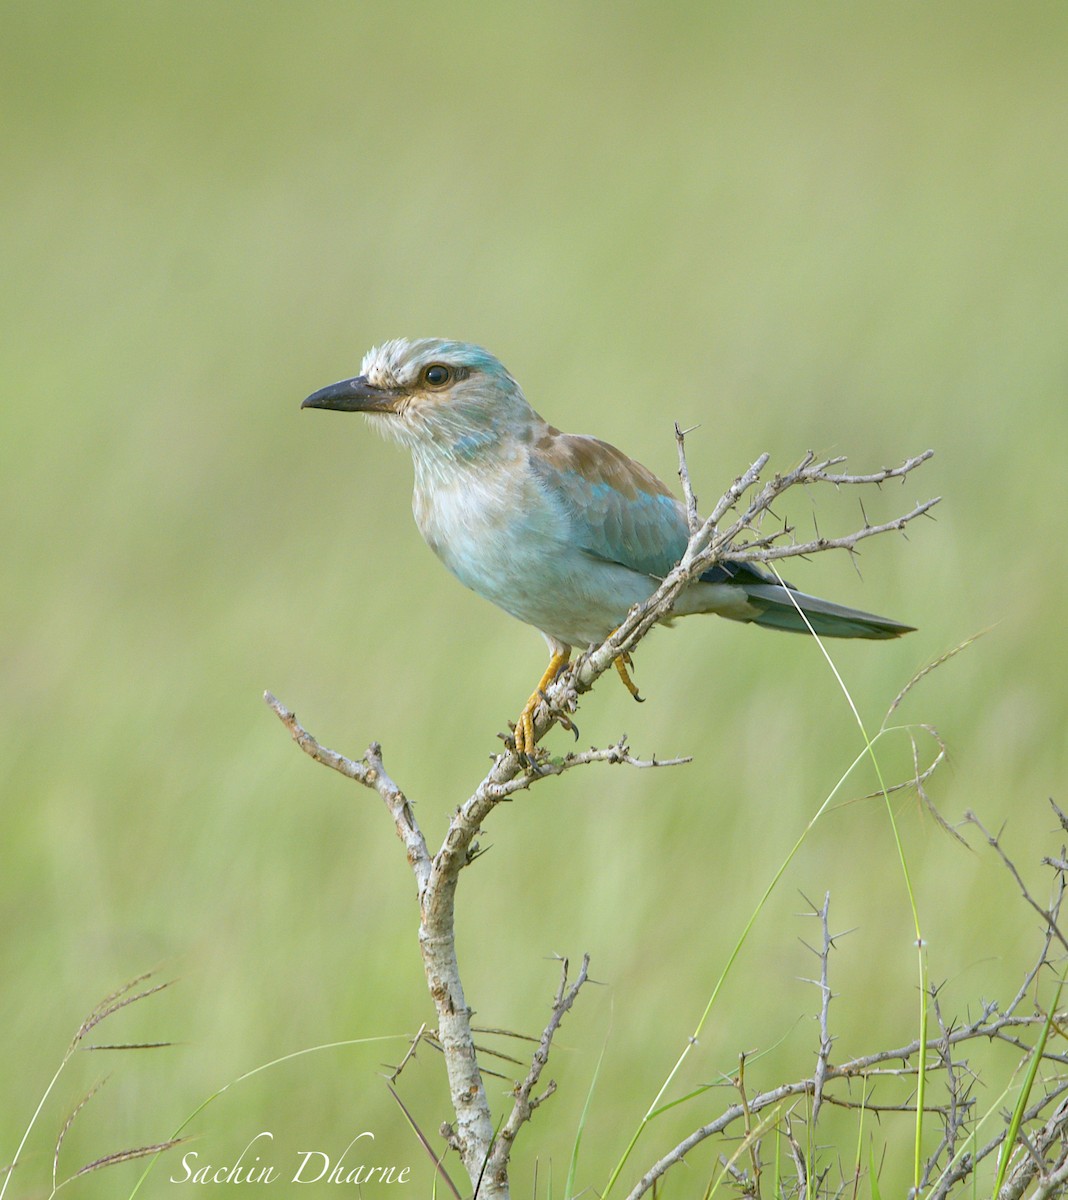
827 226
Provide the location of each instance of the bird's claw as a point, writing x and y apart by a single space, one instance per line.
523 738
561 715
529 756
623 661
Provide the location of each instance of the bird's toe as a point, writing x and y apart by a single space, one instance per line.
622 663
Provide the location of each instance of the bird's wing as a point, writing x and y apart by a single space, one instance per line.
618 511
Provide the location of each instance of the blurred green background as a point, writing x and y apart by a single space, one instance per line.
834 226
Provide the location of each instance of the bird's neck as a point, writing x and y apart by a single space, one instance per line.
451 448
471 455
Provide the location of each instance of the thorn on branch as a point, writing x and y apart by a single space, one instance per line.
409 1054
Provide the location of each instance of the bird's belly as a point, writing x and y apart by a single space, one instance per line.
516 554
573 598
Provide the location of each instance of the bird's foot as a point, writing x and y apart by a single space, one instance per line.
524 727
523 731
622 663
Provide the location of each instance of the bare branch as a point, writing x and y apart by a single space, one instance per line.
1046 914
748 479
800 1166
823 1058
525 1101
910 464
436 881
693 521
618 753
848 542
371 774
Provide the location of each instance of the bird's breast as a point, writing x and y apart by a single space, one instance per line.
504 537
490 527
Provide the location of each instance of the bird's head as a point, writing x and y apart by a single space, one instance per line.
436 396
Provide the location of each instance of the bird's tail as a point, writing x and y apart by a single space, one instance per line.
778 609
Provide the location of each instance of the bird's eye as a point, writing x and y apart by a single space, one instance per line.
437 375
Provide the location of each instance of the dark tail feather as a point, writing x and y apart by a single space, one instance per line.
779 607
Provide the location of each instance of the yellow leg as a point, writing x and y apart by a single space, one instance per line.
524 727
622 663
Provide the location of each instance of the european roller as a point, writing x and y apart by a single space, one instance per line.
561 530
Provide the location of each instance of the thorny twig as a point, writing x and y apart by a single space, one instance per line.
693 521
525 1100
823 1057
1041 1159
408 1054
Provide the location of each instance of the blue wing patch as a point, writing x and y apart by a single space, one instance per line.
619 511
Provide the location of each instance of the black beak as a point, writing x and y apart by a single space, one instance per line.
354 395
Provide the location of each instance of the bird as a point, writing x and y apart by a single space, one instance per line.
563 531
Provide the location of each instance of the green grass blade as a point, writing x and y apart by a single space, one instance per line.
572 1170
1025 1091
